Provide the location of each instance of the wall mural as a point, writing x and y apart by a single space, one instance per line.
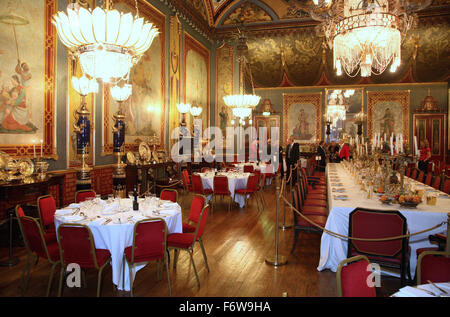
302 117
196 77
388 112
27 77
247 12
199 6
144 110
175 63
225 74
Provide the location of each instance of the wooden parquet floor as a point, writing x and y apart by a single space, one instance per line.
237 244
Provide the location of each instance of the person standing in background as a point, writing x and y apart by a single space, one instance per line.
292 157
322 153
425 155
344 152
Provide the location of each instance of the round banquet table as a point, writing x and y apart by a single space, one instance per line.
112 225
235 181
262 167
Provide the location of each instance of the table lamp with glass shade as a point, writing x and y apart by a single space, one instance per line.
82 128
120 94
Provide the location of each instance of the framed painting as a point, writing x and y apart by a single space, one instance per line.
269 122
302 117
388 112
196 78
224 79
145 109
27 78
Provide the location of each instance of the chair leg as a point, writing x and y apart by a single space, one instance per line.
131 280
204 253
296 232
61 278
99 280
168 277
193 265
50 279
25 268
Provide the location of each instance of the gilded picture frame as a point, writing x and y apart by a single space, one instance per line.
383 110
302 117
28 108
148 96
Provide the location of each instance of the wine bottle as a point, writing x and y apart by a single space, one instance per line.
135 200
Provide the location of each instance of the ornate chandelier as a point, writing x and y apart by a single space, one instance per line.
242 104
365 35
337 105
107 42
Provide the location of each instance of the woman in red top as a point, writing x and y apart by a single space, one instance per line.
425 155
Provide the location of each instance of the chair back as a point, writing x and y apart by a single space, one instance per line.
169 194
446 187
185 179
248 168
33 236
414 173
149 240
19 212
201 223
262 180
205 169
436 182
420 177
252 182
375 224
197 184
197 204
221 185
82 195
76 245
352 278
408 172
47 208
433 266
428 179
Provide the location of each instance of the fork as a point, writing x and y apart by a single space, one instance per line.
440 289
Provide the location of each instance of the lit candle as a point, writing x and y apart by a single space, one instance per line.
392 145
41 146
415 145
401 142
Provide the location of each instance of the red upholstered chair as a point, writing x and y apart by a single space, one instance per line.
251 189
248 168
37 247
446 187
376 224
420 177
415 173
82 195
314 199
260 188
197 186
149 244
428 179
47 208
205 169
169 194
352 275
315 214
77 245
436 182
270 172
408 172
186 241
221 188
186 181
197 204
433 266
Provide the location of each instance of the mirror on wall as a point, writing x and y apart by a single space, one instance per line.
343 111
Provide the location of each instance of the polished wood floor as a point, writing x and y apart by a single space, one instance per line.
237 244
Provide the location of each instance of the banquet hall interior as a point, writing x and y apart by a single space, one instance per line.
224 148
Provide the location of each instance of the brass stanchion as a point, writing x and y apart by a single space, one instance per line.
447 245
284 225
276 260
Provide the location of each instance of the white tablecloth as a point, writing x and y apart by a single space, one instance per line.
262 167
235 181
424 290
116 235
333 249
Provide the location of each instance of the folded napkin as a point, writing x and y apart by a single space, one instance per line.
73 218
74 205
110 208
414 292
61 212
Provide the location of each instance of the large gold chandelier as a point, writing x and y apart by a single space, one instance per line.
107 42
365 35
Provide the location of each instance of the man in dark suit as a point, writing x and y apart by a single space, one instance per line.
292 157
321 152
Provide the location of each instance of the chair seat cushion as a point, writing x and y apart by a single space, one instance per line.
320 220
145 257
50 237
317 196
207 191
220 192
315 202
314 210
421 250
187 228
243 191
102 256
180 240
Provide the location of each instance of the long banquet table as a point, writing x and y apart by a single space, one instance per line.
334 249
112 225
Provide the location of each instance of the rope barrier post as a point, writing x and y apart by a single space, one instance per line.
285 226
276 260
447 245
